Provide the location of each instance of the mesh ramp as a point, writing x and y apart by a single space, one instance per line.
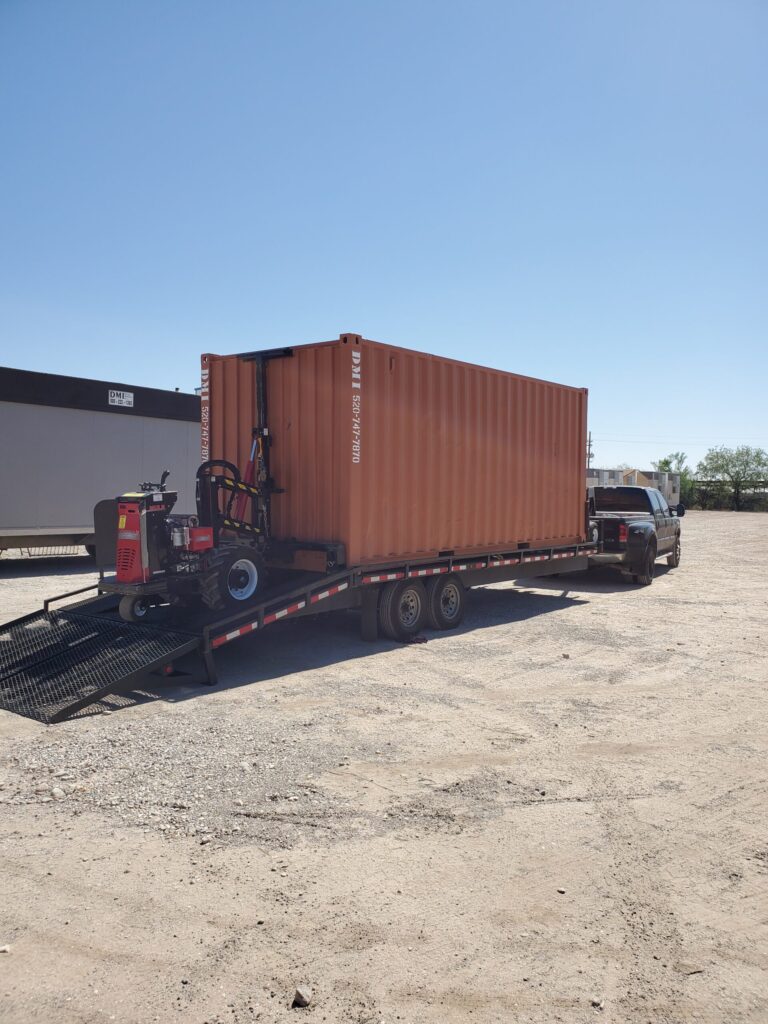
53 664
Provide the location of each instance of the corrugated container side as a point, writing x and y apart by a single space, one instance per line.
451 457
302 398
456 457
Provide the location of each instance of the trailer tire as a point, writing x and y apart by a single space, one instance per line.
235 576
133 609
402 609
446 602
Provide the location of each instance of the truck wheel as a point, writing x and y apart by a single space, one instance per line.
234 578
402 609
645 576
673 560
446 602
133 609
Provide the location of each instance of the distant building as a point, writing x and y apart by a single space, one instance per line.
667 483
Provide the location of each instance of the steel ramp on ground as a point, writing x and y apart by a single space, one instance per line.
54 663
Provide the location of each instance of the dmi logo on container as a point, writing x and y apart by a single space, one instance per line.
356 402
205 410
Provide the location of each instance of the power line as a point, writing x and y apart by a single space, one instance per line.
677 440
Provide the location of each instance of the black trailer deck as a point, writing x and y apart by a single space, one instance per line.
55 662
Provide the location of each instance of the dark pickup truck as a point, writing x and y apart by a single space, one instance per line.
636 526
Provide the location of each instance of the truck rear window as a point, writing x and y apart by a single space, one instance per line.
621 499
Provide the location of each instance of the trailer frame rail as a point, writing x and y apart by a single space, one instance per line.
216 636
55 662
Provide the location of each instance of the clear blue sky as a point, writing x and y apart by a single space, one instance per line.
576 191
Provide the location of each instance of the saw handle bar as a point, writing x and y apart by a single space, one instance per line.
204 467
157 487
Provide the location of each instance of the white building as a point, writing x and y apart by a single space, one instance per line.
667 483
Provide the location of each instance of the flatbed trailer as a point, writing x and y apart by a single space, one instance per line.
58 661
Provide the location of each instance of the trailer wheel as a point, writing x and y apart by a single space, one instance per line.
402 609
233 579
446 602
133 609
673 560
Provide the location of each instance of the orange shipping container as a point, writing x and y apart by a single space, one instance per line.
400 455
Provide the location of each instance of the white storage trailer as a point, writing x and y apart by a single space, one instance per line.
69 442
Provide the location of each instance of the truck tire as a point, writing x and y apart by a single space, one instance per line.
402 609
673 560
233 579
446 602
645 576
133 609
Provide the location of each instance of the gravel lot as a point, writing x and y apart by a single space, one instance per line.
555 814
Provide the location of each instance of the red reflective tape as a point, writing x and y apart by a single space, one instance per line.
328 593
427 572
225 638
283 612
380 578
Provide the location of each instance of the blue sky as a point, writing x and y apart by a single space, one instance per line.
576 191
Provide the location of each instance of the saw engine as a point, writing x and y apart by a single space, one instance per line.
214 557
150 539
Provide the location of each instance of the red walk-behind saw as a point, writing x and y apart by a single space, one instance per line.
215 557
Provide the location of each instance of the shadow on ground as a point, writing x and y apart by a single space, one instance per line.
31 568
319 641
595 581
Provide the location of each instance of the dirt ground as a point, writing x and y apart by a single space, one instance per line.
557 813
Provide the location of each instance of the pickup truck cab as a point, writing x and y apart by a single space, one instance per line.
636 526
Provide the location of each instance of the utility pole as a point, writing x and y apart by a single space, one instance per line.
589 450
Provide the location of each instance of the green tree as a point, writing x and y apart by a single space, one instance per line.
742 468
676 462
